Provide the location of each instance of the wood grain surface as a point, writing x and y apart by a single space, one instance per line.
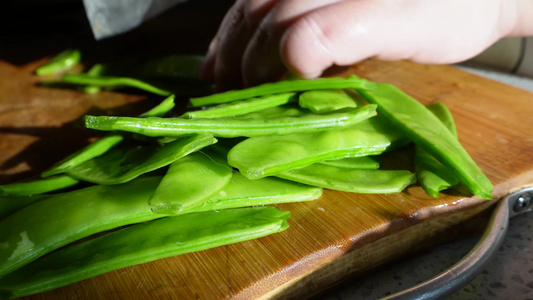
338 236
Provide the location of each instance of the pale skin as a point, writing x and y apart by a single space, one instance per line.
261 40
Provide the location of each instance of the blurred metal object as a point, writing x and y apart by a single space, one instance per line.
109 18
460 274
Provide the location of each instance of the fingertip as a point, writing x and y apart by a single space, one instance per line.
207 68
302 52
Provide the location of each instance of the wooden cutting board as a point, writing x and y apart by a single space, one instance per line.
331 238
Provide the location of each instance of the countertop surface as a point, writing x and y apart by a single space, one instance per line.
509 273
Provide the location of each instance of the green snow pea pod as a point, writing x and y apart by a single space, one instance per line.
60 63
431 174
232 127
184 185
351 180
96 70
56 221
39 186
123 164
11 204
276 112
362 162
113 81
242 107
328 100
107 142
427 131
243 192
143 243
263 156
286 86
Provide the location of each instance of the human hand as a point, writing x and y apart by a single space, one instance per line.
260 40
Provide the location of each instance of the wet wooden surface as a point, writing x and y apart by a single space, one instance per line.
339 235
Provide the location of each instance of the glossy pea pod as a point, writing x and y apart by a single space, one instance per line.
184 184
362 162
431 174
287 86
105 143
39 186
54 222
242 192
12 204
60 63
258 157
329 100
114 81
120 165
143 243
427 131
232 127
242 107
351 180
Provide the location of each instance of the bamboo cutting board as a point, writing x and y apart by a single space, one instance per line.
339 235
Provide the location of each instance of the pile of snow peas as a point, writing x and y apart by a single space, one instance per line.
209 176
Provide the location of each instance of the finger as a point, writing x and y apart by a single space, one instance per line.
225 56
350 31
261 59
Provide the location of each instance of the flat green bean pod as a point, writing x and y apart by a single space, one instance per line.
243 192
362 162
327 100
11 204
107 142
242 107
120 165
281 111
96 70
60 63
351 180
56 221
431 174
193 179
39 186
112 81
143 243
287 86
232 127
427 131
258 157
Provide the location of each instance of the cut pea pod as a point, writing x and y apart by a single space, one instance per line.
120 165
241 107
60 63
232 127
351 180
56 221
39 186
144 243
286 86
264 156
107 142
427 131
431 174
243 192
328 100
189 181
362 162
